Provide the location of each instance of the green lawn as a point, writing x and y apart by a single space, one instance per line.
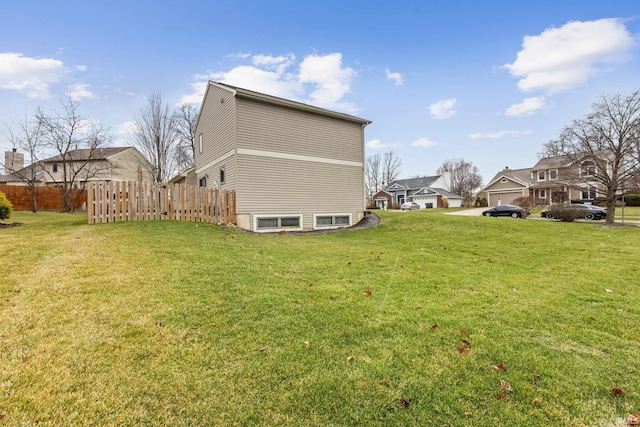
427 319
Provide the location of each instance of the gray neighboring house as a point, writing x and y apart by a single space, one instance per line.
293 166
427 191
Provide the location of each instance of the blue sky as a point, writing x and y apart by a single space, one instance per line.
487 81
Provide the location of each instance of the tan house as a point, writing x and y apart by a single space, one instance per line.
293 166
559 174
506 186
82 165
543 182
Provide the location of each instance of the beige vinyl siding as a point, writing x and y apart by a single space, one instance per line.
286 186
125 166
269 127
213 173
217 126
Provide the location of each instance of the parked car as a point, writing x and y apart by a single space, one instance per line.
506 210
591 212
410 206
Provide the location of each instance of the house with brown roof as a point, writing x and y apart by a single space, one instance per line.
292 166
550 180
101 164
506 186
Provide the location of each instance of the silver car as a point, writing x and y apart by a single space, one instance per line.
410 206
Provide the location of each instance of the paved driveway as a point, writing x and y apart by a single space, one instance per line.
469 212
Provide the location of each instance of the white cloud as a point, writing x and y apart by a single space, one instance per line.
320 80
443 109
79 91
395 77
500 134
330 79
424 142
126 128
81 68
527 107
239 55
376 144
562 58
30 75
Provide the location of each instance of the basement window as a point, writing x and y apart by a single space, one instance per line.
278 222
332 221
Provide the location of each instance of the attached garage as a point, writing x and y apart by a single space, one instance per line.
503 197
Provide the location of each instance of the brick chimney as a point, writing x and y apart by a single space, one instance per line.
13 161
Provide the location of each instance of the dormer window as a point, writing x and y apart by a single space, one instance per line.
553 174
541 175
588 168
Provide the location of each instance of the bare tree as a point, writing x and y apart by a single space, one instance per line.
157 137
26 136
76 142
373 173
390 167
185 116
604 146
464 177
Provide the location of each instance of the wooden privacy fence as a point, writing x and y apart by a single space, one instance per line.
47 198
138 201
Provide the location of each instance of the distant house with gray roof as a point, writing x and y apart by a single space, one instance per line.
426 191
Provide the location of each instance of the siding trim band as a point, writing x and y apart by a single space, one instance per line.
225 156
260 153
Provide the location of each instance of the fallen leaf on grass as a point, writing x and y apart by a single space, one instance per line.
468 413
3 416
617 391
592 318
505 386
499 367
306 344
464 350
405 402
350 359
465 342
263 350
536 401
215 325
367 292
633 420
463 332
434 326
609 291
184 338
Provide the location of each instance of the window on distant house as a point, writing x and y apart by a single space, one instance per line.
540 175
222 175
203 182
588 193
588 168
200 143
504 180
543 194
553 174
55 167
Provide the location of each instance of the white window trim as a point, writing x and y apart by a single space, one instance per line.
200 143
326 227
271 230
544 175
549 173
